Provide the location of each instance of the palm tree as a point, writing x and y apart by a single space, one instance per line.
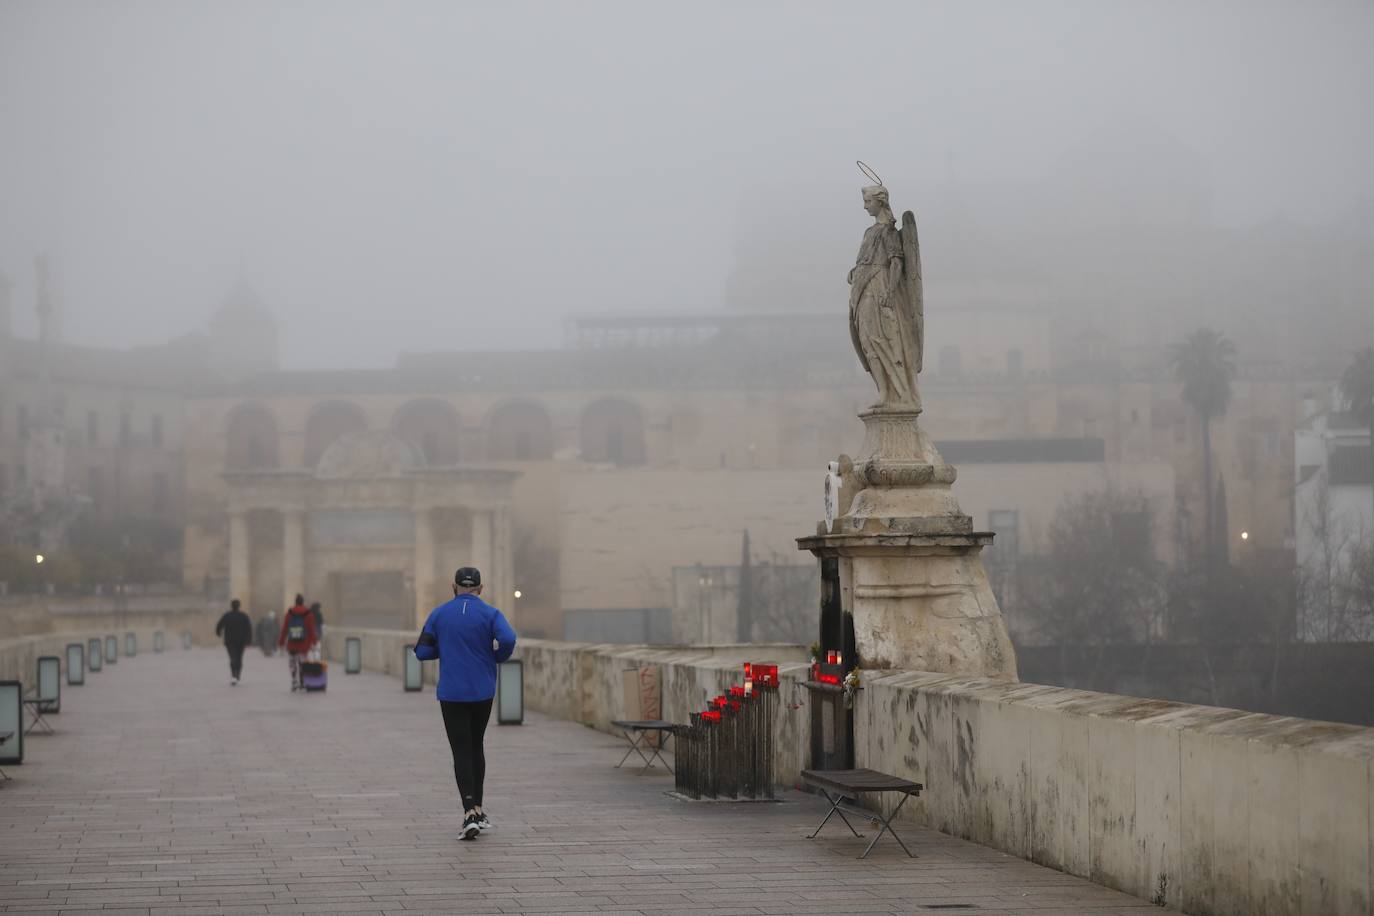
1357 384
1204 363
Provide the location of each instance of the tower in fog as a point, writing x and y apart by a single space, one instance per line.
243 335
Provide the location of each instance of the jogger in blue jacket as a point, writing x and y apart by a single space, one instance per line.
470 637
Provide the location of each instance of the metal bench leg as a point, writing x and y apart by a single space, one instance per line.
888 828
634 749
658 755
38 720
835 809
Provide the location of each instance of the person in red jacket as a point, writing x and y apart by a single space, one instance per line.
298 634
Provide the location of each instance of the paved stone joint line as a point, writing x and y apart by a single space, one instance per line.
166 791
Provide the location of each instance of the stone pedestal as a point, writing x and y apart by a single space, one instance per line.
911 572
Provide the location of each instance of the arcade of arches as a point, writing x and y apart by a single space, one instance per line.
273 509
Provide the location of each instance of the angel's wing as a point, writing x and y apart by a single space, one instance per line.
915 291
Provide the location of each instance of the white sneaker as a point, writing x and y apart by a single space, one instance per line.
233 682
470 828
482 823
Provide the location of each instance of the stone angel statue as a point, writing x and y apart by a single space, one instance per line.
887 304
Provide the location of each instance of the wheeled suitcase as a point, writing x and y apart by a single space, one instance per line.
315 675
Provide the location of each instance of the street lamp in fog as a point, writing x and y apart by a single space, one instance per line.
1245 535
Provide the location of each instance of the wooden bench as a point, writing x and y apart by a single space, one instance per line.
635 730
839 785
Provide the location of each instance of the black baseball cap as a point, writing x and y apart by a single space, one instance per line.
467 577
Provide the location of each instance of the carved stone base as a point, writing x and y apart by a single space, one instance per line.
916 586
904 484
922 602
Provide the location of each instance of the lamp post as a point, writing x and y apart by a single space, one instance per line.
49 676
12 721
76 664
510 692
412 674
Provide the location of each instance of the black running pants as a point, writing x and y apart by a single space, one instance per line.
466 724
235 659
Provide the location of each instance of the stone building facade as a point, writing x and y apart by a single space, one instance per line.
652 444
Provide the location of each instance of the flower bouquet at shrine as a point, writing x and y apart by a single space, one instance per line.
727 749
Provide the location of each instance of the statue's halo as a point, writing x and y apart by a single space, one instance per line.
872 175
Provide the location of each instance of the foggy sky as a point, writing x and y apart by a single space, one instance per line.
426 175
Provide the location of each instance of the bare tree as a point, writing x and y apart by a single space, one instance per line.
1325 587
1099 583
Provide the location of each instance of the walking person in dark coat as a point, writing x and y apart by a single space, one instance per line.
237 631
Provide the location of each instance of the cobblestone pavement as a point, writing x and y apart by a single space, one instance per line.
167 791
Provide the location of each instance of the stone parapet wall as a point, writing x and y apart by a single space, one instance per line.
582 682
1213 811
19 656
34 616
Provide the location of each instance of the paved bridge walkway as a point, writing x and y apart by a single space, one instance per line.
167 791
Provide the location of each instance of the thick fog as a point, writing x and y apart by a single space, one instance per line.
421 175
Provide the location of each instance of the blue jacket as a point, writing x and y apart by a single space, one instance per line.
460 633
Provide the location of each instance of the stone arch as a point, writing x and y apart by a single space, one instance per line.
519 431
250 439
328 422
613 432
431 426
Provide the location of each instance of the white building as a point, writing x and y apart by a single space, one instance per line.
1333 510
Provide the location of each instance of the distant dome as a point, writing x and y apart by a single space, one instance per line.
243 334
368 455
242 305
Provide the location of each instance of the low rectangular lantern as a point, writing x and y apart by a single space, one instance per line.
413 675
353 655
130 644
12 722
186 639
49 684
93 653
510 693
76 664
159 642
112 649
